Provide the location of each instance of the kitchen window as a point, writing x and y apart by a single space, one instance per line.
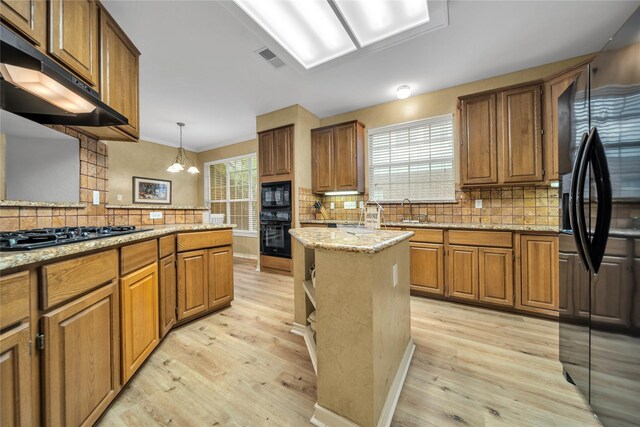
231 188
413 160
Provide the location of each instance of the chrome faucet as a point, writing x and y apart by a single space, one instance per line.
410 209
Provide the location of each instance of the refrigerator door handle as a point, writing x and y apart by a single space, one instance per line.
573 202
604 193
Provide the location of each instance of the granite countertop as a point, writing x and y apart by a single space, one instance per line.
158 207
452 226
23 258
28 204
342 240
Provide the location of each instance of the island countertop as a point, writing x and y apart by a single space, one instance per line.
354 240
23 258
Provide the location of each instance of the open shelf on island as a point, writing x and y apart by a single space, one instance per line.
310 291
311 346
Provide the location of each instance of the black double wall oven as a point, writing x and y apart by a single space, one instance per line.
275 219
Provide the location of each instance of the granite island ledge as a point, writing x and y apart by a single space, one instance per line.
360 343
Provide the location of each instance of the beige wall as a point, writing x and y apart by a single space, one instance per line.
442 101
241 244
149 160
3 166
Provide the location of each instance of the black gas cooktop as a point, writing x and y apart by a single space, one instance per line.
25 240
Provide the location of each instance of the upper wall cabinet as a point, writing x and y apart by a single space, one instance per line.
74 37
275 152
28 17
337 158
120 68
501 137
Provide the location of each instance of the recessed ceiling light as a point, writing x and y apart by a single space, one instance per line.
308 29
403 92
374 20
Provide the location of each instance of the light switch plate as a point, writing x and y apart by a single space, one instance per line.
349 205
155 215
119 197
96 197
332 206
361 204
478 203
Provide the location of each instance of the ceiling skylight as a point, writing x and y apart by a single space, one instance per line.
375 20
308 29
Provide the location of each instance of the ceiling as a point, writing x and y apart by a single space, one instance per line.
199 63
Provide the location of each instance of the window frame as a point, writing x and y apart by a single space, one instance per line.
404 126
227 201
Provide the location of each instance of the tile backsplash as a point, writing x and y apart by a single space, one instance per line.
507 205
94 175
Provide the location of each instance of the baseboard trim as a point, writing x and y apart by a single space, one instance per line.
323 417
390 403
298 329
247 256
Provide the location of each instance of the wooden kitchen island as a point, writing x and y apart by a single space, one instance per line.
362 345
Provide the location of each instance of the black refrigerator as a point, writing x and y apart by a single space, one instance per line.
599 163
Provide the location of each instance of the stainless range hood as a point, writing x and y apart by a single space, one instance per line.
34 86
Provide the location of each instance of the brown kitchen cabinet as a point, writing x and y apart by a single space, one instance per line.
75 37
554 86
496 276
167 294
478 140
220 270
611 293
15 372
427 268
28 18
139 318
275 151
501 137
538 282
462 277
81 358
337 154
193 289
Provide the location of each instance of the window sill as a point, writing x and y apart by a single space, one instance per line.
245 233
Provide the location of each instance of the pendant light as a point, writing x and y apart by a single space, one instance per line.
178 163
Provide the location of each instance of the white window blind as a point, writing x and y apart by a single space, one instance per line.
231 187
413 160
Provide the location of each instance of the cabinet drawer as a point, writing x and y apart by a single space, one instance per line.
138 255
499 239
14 298
426 235
276 263
167 246
67 279
204 239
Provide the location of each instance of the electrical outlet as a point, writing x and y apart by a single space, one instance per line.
349 205
332 206
478 203
361 204
155 215
119 197
96 197
395 275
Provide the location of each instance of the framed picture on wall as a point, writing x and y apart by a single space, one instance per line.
151 191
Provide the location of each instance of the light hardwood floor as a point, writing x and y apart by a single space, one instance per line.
242 367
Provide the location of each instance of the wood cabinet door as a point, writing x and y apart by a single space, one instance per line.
192 283
462 277
120 74
322 161
220 277
552 90
265 153
282 150
168 290
15 372
81 359
539 273
139 318
345 164
28 17
496 276
478 143
427 268
74 37
612 293
521 135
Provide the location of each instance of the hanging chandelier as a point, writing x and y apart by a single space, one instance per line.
179 162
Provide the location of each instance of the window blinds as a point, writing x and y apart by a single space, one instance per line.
413 160
233 191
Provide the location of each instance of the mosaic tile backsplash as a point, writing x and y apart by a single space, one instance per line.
94 175
508 205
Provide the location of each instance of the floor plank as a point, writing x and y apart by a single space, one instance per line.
243 367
